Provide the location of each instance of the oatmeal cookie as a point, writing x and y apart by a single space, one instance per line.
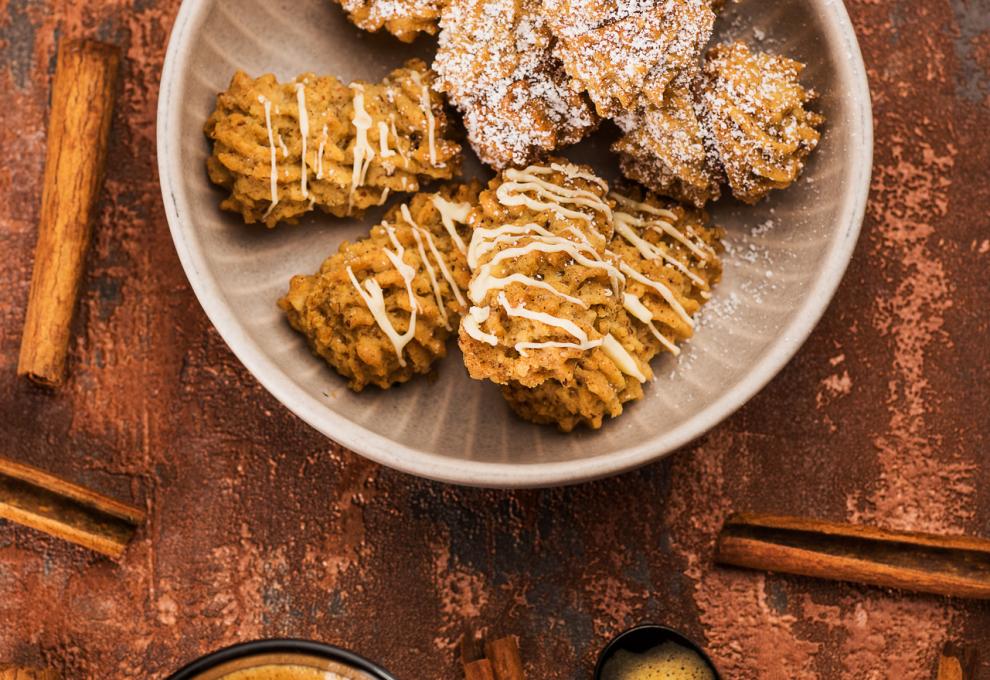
495 63
541 280
405 19
597 387
282 150
381 309
670 260
754 107
664 147
547 320
618 50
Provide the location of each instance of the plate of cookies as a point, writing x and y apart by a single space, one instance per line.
514 243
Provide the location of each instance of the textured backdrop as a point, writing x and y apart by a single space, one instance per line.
260 527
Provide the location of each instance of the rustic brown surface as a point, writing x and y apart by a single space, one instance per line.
260 527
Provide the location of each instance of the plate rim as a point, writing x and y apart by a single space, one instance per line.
398 456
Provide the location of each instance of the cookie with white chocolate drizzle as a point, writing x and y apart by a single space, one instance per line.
381 309
546 296
670 259
283 150
599 385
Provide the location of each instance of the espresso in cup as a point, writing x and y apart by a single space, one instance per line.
666 661
282 660
294 672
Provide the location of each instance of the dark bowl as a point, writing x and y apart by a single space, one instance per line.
266 652
647 636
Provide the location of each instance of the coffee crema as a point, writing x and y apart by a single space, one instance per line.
288 672
666 661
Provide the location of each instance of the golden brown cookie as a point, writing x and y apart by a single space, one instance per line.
282 150
670 260
495 63
754 109
617 51
405 19
381 309
596 387
664 147
546 318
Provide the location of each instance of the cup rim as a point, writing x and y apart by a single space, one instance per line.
672 633
275 646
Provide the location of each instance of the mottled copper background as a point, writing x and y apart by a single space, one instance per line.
260 527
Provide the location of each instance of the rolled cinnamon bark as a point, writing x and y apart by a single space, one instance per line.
505 658
477 670
78 132
36 499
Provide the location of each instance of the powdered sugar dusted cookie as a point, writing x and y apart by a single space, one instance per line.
496 64
616 50
405 19
753 106
665 147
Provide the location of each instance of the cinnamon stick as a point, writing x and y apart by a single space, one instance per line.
78 133
505 658
957 663
956 566
949 668
73 513
476 666
479 670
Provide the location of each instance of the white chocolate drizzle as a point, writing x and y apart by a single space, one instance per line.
471 323
375 299
383 150
496 283
554 244
320 152
663 225
635 306
363 151
274 158
663 290
419 233
574 172
624 227
398 144
550 196
304 132
451 214
621 358
583 342
431 123
437 292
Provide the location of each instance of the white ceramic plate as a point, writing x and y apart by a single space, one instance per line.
785 258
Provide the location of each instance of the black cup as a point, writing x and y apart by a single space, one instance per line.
645 637
266 652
